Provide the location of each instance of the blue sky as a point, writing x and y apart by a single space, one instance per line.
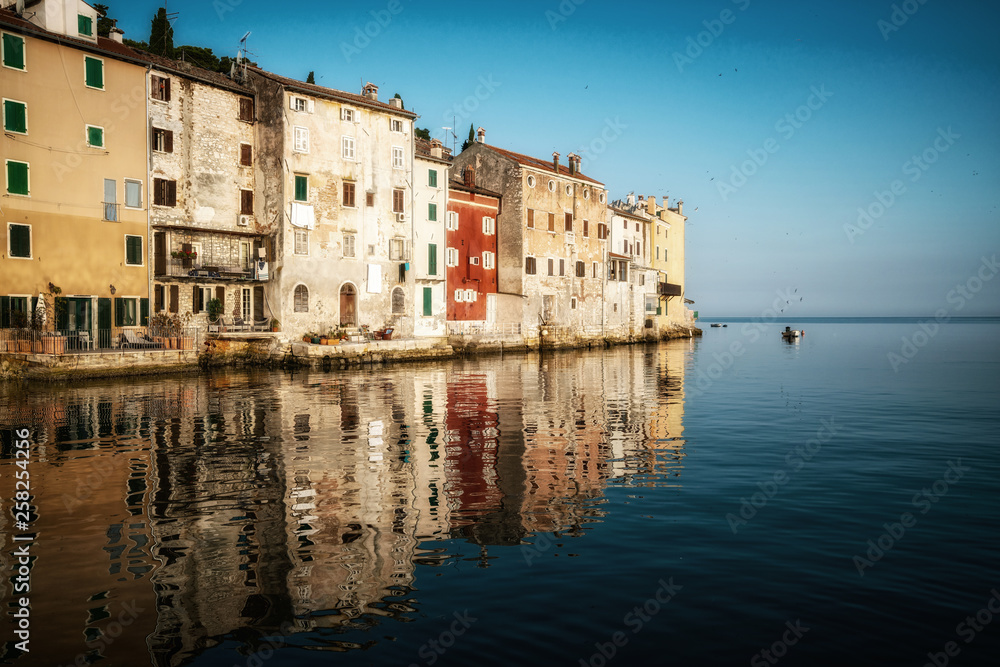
698 100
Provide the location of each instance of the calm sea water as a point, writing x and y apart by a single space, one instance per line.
694 502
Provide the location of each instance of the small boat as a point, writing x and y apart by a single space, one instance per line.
792 333
715 325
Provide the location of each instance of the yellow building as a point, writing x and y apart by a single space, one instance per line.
667 245
73 195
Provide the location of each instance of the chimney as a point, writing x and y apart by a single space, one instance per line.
117 35
481 136
680 207
630 199
651 205
436 148
666 202
393 101
572 164
370 91
470 177
555 162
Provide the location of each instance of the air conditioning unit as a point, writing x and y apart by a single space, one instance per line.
244 220
400 217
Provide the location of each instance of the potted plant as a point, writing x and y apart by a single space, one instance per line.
159 326
275 325
182 326
306 338
214 308
315 338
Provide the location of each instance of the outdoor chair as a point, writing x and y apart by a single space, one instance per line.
132 340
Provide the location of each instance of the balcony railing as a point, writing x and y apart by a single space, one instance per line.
111 211
670 289
196 268
25 341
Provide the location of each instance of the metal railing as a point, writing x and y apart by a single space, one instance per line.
111 211
66 341
479 328
195 267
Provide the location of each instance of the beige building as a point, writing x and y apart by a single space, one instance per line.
74 199
552 240
631 300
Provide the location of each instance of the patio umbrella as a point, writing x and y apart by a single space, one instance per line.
40 311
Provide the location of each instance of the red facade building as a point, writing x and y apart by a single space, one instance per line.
471 249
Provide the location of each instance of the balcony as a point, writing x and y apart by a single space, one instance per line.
670 289
112 211
193 268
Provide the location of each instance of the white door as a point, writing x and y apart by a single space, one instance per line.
491 308
247 303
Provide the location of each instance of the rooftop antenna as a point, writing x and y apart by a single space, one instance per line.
241 56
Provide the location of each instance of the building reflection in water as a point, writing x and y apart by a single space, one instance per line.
238 507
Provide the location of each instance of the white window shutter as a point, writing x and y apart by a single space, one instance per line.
311 105
291 102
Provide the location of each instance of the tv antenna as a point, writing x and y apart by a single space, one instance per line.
241 56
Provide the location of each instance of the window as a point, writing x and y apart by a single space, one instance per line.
562 267
133 250
13 51
531 218
569 189
432 178
93 72
301 241
85 25
397 201
581 270
471 295
18 182
569 222
245 262
126 311
586 228
369 198
637 226
301 139
246 110
199 299
602 231
95 136
622 271
642 279
451 256
349 245
586 194
489 260
19 241
432 259
530 266
460 295
428 301
432 212
163 140
133 194
348 199
299 104
397 157
111 199
572 303
301 299
397 249
160 88
452 220
474 261
398 301
552 267
552 222
164 192
531 181
489 226
347 148
301 188
612 270
638 248
246 202
552 186
595 269
657 252
15 117
347 114
625 224
601 198
246 155
396 125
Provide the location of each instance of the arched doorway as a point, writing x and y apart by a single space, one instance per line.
348 306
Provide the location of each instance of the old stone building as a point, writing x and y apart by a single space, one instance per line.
631 292
208 239
431 166
338 173
552 241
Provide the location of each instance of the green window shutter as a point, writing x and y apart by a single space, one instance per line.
133 250
95 137
62 312
432 212
4 312
85 25
427 301
17 178
143 312
301 188
15 116
119 312
13 51
95 72
432 259
20 241
432 178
